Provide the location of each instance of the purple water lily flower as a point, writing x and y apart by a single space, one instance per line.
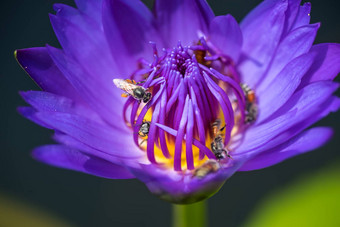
206 96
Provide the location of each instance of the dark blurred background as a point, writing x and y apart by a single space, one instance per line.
62 197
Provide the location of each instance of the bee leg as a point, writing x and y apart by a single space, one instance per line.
227 154
124 95
223 128
141 134
219 156
130 81
142 142
140 82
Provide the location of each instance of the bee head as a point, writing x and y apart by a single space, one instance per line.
147 97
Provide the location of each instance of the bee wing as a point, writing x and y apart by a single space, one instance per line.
119 83
125 86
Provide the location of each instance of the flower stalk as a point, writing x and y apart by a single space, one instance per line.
189 215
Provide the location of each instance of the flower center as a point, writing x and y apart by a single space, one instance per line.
184 112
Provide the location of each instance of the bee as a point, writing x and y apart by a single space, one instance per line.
132 89
217 145
251 107
144 129
200 56
210 166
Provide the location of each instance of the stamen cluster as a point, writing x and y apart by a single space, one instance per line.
187 98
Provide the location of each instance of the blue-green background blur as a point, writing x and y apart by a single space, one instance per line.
303 191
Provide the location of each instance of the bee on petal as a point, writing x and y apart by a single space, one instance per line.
210 166
132 89
217 145
251 107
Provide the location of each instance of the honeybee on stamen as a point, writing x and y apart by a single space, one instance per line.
132 89
251 107
144 130
200 56
217 145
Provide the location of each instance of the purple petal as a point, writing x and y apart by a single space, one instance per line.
101 96
304 142
84 40
182 20
306 104
296 43
257 136
226 35
261 29
41 68
129 27
68 158
29 113
73 143
92 8
181 188
113 141
68 140
283 86
303 16
326 66
44 101
291 13
331 105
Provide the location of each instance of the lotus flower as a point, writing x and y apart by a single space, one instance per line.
206 96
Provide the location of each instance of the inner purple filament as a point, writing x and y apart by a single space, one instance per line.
188 95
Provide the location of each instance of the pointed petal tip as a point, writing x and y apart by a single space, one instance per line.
57 7
22 93
22 110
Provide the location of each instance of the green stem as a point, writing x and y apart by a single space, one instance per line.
189 215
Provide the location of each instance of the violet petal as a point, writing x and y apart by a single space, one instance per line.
303 17
304 142
113 141
296 43
41 68
182 20
226 35
129 26
303 105
326 64
283 86
68 158
258 45
98 94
